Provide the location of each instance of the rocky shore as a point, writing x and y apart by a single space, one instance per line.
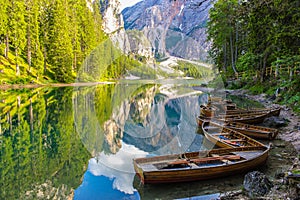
284 178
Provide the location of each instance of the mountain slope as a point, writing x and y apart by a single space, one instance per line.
175 28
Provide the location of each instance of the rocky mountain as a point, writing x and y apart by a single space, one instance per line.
113 24
173 27
131 42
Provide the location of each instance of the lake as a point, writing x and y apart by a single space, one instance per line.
79 142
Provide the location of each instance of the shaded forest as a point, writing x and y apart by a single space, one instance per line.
48 41
257 44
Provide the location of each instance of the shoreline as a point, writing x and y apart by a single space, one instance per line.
289 133
32 86
283 187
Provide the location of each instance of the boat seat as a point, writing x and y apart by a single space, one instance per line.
223 160
237 140
222 134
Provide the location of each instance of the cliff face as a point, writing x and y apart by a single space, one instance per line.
175 28
113 24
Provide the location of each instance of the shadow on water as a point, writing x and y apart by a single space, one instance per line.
190 189
51 140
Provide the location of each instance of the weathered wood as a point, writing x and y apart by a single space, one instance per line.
253 131
231 138
204 160
147 170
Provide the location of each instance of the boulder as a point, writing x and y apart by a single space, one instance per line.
275 122
257 184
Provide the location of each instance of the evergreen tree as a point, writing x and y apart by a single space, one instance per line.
264 31
17 28
4 25
223 31
34 53
60 45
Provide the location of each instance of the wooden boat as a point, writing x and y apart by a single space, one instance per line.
258 132
226 137
249 117
246 118
201 165
271 112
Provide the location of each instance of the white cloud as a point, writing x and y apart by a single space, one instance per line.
118 167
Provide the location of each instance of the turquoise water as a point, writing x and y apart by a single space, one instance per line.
79 142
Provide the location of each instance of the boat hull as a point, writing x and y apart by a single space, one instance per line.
194 174
224 137
257 132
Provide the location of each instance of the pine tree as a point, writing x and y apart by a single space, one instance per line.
17 28
223 31
34 53
4 25
60 44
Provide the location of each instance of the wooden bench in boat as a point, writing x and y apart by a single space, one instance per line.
237 140
221 134
227 161
204 160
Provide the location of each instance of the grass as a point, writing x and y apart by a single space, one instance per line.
289 90
27 75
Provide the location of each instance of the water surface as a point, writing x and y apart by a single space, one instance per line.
79 142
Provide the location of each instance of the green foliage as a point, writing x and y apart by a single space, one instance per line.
52 39
291 94
253 34
142 71
223 30
192 70
246 62
38 142
257 89
105 62
287 61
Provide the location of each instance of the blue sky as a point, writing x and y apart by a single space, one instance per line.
127 3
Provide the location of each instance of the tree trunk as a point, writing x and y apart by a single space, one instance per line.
6 50
0 127
31 116
28 47
232 54
262 75
45 63
75 61
10 122
236 44
224 57
17 64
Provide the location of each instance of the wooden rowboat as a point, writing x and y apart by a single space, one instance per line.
271 112
258 132
201 165
253 117
226 137
246 118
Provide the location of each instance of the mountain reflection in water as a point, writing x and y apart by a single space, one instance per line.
83 139
150 120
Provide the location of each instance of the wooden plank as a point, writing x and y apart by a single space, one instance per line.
237 140
203 160
222 134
